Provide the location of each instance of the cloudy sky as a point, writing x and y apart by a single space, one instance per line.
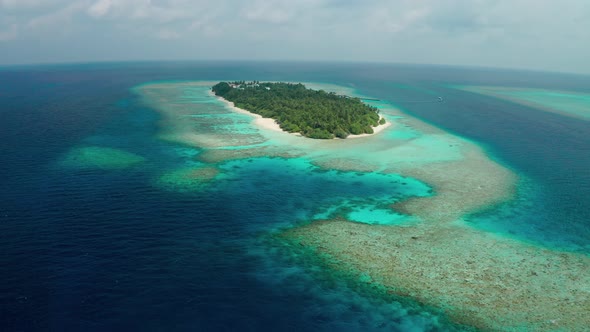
532 34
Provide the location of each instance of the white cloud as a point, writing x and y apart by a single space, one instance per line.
162 12
485 32
167 34
394 20
100 8
60 17
25 8
19 4
267 12
280 11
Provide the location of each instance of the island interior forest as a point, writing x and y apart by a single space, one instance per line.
297 109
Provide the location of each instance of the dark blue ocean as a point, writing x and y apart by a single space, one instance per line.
97 250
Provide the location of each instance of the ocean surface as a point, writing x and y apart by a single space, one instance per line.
115 246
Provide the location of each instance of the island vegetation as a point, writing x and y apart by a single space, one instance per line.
297 109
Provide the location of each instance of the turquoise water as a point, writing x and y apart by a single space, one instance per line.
548 151
95 248
309 192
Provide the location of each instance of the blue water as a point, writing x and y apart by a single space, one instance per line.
98 250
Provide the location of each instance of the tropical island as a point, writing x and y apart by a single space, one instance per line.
297 109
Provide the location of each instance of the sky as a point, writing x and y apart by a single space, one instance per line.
527 34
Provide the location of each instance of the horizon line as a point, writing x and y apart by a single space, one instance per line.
305 61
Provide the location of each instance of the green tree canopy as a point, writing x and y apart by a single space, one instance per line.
313 113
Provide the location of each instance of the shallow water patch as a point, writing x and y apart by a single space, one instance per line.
567 103
187 179
101 158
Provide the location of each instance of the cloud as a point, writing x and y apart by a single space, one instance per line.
161 12
20 4
282 11
393 20
100 8
9 34
167 34
486 32
60 17
269 12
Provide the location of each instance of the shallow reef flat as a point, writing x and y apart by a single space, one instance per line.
569 103
478 278
187 179
207 125
221 155
462 186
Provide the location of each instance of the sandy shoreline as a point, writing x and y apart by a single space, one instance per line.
376 130
271 124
